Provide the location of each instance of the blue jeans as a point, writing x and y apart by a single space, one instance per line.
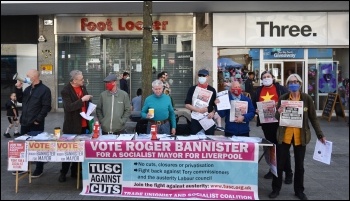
34 130
161 129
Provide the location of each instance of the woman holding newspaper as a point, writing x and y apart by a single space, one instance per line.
242 111
200 100
290 134
265 95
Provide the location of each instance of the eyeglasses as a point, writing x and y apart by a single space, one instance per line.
293 82
202 76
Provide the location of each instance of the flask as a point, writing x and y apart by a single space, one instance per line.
96 130
154 132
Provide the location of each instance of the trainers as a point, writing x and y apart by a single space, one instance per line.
269 175
16 134
37 174
7 135
19 172
289 178
220 129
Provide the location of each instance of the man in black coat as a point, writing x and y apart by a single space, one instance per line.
75 100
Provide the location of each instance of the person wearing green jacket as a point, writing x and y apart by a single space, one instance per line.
113 108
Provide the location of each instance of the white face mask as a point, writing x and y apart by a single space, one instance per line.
127 78
202 80
267 82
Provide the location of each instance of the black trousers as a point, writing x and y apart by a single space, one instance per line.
282 150
270 133
34 130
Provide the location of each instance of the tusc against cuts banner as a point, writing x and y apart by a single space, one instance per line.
171 169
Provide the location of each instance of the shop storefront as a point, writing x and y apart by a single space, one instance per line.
101 45
313 45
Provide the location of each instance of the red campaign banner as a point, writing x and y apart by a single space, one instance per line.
17 156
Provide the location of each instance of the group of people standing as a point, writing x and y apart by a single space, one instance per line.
114 108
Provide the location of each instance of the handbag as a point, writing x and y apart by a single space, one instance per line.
182 127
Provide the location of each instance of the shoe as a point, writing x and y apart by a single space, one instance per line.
16 134
301 196
269 175
274 194
7 135
19 172
220 128
37 174
289 178
62 178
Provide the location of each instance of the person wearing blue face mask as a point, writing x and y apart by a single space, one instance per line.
298 137
36 104
203 76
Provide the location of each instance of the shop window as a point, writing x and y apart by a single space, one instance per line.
97 57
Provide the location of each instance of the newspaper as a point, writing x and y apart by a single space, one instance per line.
267 111
292 114
238 108
224 103
200 99
206 123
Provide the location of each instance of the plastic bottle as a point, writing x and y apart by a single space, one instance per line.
154 132
96 130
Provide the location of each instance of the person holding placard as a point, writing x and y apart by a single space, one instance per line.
271 90
239 126
208 110
298 137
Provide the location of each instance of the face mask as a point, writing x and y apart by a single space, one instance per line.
236 91
202 80
109 86
293 87
267 82
27 80
127 78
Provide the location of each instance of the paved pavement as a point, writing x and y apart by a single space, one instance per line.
322 182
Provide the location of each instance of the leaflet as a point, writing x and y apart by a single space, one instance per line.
323 152
224 99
